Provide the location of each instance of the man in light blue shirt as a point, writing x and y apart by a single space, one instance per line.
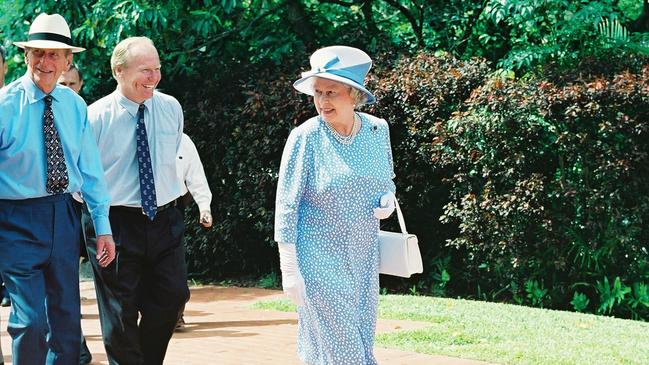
47 151
138 132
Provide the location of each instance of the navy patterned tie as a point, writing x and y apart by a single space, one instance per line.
147 184
57 172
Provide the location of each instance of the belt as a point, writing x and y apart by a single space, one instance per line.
139 209
39 200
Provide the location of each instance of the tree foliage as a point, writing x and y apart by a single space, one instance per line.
197 37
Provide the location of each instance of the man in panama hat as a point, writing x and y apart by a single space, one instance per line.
47 152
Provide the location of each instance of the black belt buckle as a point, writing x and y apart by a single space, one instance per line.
159 209
164 207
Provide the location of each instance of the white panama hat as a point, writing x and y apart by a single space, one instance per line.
49 32
347 65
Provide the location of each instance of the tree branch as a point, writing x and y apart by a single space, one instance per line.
338 2
416 27
368 13
473 20
366 9
300 22
229 32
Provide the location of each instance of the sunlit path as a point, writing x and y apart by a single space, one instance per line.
222 328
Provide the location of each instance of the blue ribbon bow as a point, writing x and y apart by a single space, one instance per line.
354 73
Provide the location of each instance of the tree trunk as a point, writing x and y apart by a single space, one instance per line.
417 27
462 44
299 21
642 23
368 13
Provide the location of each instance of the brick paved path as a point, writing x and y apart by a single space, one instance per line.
223 329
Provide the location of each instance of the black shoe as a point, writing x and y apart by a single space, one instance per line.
83 360
5 303
85 357
180 325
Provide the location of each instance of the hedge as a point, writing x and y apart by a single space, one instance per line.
550 191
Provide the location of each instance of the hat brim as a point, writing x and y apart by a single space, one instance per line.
44 44
305 85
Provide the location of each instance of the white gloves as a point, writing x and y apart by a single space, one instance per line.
292 280
387 206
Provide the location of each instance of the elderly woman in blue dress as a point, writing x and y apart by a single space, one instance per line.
335 184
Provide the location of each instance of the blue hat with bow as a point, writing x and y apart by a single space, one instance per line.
347 65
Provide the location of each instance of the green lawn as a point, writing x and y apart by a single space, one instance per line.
508 334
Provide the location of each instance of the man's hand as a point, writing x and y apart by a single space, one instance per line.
206 219
105 249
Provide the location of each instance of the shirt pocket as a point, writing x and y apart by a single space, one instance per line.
168 144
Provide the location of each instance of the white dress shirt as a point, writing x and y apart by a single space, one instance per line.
114 120
191 174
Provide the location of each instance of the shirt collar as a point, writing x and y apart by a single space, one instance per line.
34 93
131 106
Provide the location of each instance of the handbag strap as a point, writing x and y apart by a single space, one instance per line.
402 222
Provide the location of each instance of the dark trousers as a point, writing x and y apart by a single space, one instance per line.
146 280
3 292
88 233
39 247
182 203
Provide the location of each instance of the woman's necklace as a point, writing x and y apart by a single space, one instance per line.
346 140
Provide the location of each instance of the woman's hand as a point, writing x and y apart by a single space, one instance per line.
292 280
387 206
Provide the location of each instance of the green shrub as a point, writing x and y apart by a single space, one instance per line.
551 185
416 95
579 302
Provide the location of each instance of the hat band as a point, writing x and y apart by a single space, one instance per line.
350 75
50 37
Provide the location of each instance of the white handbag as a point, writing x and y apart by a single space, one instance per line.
399 252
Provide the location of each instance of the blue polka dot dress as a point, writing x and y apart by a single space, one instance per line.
325 198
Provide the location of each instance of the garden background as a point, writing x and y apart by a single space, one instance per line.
519 129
